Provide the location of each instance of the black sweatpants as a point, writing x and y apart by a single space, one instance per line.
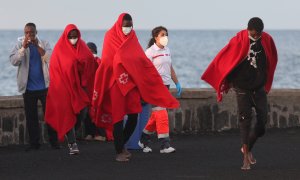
31 112
122 135
246 100
71 135
91 129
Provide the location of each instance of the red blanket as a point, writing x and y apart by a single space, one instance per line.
90 82
124 77
69 73
232 54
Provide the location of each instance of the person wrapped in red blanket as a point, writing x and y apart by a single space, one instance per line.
247 63
91 131
70 71
124 77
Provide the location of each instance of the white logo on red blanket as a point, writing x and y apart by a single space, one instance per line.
106 118
123 79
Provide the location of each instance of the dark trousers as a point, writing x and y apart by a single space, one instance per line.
71 135
122 135
246 100
32 122
91 129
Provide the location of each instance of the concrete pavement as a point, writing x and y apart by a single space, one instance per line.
201 156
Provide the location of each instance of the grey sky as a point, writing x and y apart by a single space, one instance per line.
174 14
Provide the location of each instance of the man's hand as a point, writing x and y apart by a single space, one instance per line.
26 42
36 43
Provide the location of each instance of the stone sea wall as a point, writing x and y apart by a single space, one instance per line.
199 112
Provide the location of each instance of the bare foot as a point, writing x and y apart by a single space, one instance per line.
126 153
121 158
246 163
251 159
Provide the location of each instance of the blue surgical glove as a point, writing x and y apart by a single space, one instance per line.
178 87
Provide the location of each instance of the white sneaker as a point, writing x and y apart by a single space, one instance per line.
73 149
146 149
167 150
100 138
88 138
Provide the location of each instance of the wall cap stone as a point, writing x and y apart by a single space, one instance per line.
187 93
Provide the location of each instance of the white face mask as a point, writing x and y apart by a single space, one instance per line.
163 41
126 30
73 41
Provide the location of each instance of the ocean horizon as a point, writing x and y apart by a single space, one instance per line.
192 50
